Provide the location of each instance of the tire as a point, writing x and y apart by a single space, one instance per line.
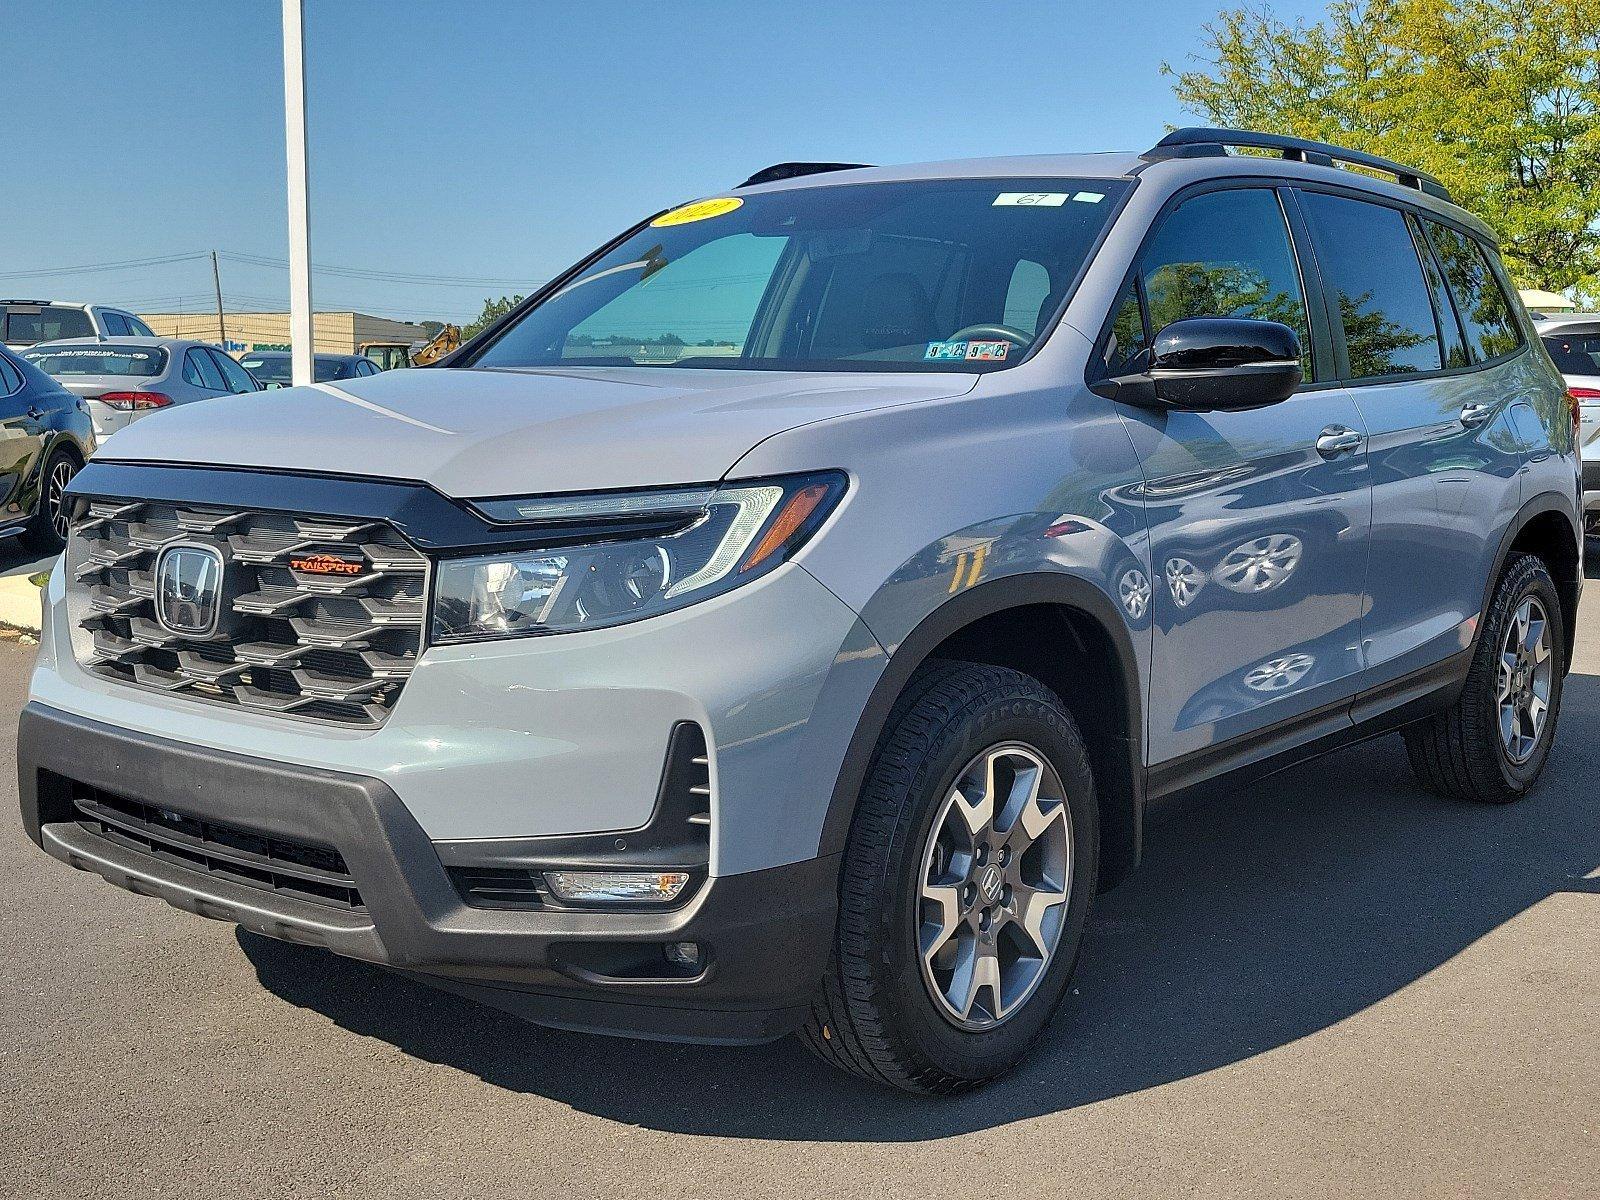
1462 753
46 533
877 1014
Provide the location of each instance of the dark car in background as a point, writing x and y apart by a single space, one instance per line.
45 438
272 367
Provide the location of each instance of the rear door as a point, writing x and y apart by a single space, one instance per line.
202 375
21 439
1257 520
1427 368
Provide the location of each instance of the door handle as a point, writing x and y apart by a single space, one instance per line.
1473 415
1337 439
35 412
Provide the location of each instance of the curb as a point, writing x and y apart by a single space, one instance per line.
20 604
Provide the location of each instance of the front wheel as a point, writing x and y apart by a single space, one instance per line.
1492 743
967 880
47 532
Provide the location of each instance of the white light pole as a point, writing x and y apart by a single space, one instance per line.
301 330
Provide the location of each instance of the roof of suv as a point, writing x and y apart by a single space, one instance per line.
1183 156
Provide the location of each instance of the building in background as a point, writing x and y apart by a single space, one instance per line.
336 332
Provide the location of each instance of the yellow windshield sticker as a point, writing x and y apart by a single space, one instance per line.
700 210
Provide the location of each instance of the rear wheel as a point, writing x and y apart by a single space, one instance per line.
967 881
47 532
1492 743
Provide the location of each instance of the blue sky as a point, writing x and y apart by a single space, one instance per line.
497 142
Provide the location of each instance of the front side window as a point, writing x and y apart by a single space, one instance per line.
1486 316
1221 254
102 358
917 275
238 379
1371 267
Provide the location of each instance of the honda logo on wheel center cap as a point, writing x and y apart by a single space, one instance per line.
189 589
989 882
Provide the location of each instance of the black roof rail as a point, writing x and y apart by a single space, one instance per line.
1205 143
793 170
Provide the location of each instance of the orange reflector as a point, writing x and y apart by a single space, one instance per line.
790 518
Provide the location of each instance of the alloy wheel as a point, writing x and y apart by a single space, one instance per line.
55 497
996 878
1525 675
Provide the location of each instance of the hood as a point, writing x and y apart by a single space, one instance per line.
478 432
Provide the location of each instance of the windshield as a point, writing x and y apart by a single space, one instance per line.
101 359
960 274
276 370
1575 351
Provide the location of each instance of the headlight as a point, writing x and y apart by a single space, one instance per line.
700 542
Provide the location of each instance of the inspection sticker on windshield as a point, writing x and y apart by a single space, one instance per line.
967 351
1030 200
700 210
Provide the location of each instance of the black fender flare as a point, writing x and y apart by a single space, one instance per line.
960 611
1537 506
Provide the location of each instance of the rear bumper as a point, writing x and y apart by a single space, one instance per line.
764 934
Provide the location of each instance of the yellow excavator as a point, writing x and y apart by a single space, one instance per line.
446 340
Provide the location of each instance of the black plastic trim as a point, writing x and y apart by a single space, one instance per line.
767 931
1212 142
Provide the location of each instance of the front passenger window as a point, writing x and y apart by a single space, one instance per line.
1222 254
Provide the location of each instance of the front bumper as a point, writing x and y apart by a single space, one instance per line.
765 934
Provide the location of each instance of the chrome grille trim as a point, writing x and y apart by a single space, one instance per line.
336 649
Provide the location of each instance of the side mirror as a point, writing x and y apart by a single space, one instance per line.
1216 364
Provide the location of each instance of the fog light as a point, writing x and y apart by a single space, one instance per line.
683 954
617 887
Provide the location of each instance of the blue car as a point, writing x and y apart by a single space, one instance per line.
47 437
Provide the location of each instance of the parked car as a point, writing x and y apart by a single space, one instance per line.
272 367
785 619
47 438
26 323
133 377
1573 340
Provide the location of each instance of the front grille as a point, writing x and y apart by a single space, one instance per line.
328 647
290 868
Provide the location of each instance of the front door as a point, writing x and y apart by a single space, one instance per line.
1258 521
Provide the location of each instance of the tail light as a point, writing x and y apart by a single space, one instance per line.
135 401
1577 397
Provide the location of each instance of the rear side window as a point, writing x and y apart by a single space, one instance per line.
116 325
138 328
1371 267
1221 254
199 370
1486 317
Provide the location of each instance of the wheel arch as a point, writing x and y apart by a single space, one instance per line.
1543 527
1017 621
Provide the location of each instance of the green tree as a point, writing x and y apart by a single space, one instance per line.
1498 98
493 310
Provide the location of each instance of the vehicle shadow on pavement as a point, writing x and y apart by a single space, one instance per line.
1258 918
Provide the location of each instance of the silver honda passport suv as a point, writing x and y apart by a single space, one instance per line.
785 619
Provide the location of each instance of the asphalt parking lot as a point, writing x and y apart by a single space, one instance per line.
1329 984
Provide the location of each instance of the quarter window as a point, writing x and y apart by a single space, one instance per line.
1486 317
1371 267
1221 254
10 378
